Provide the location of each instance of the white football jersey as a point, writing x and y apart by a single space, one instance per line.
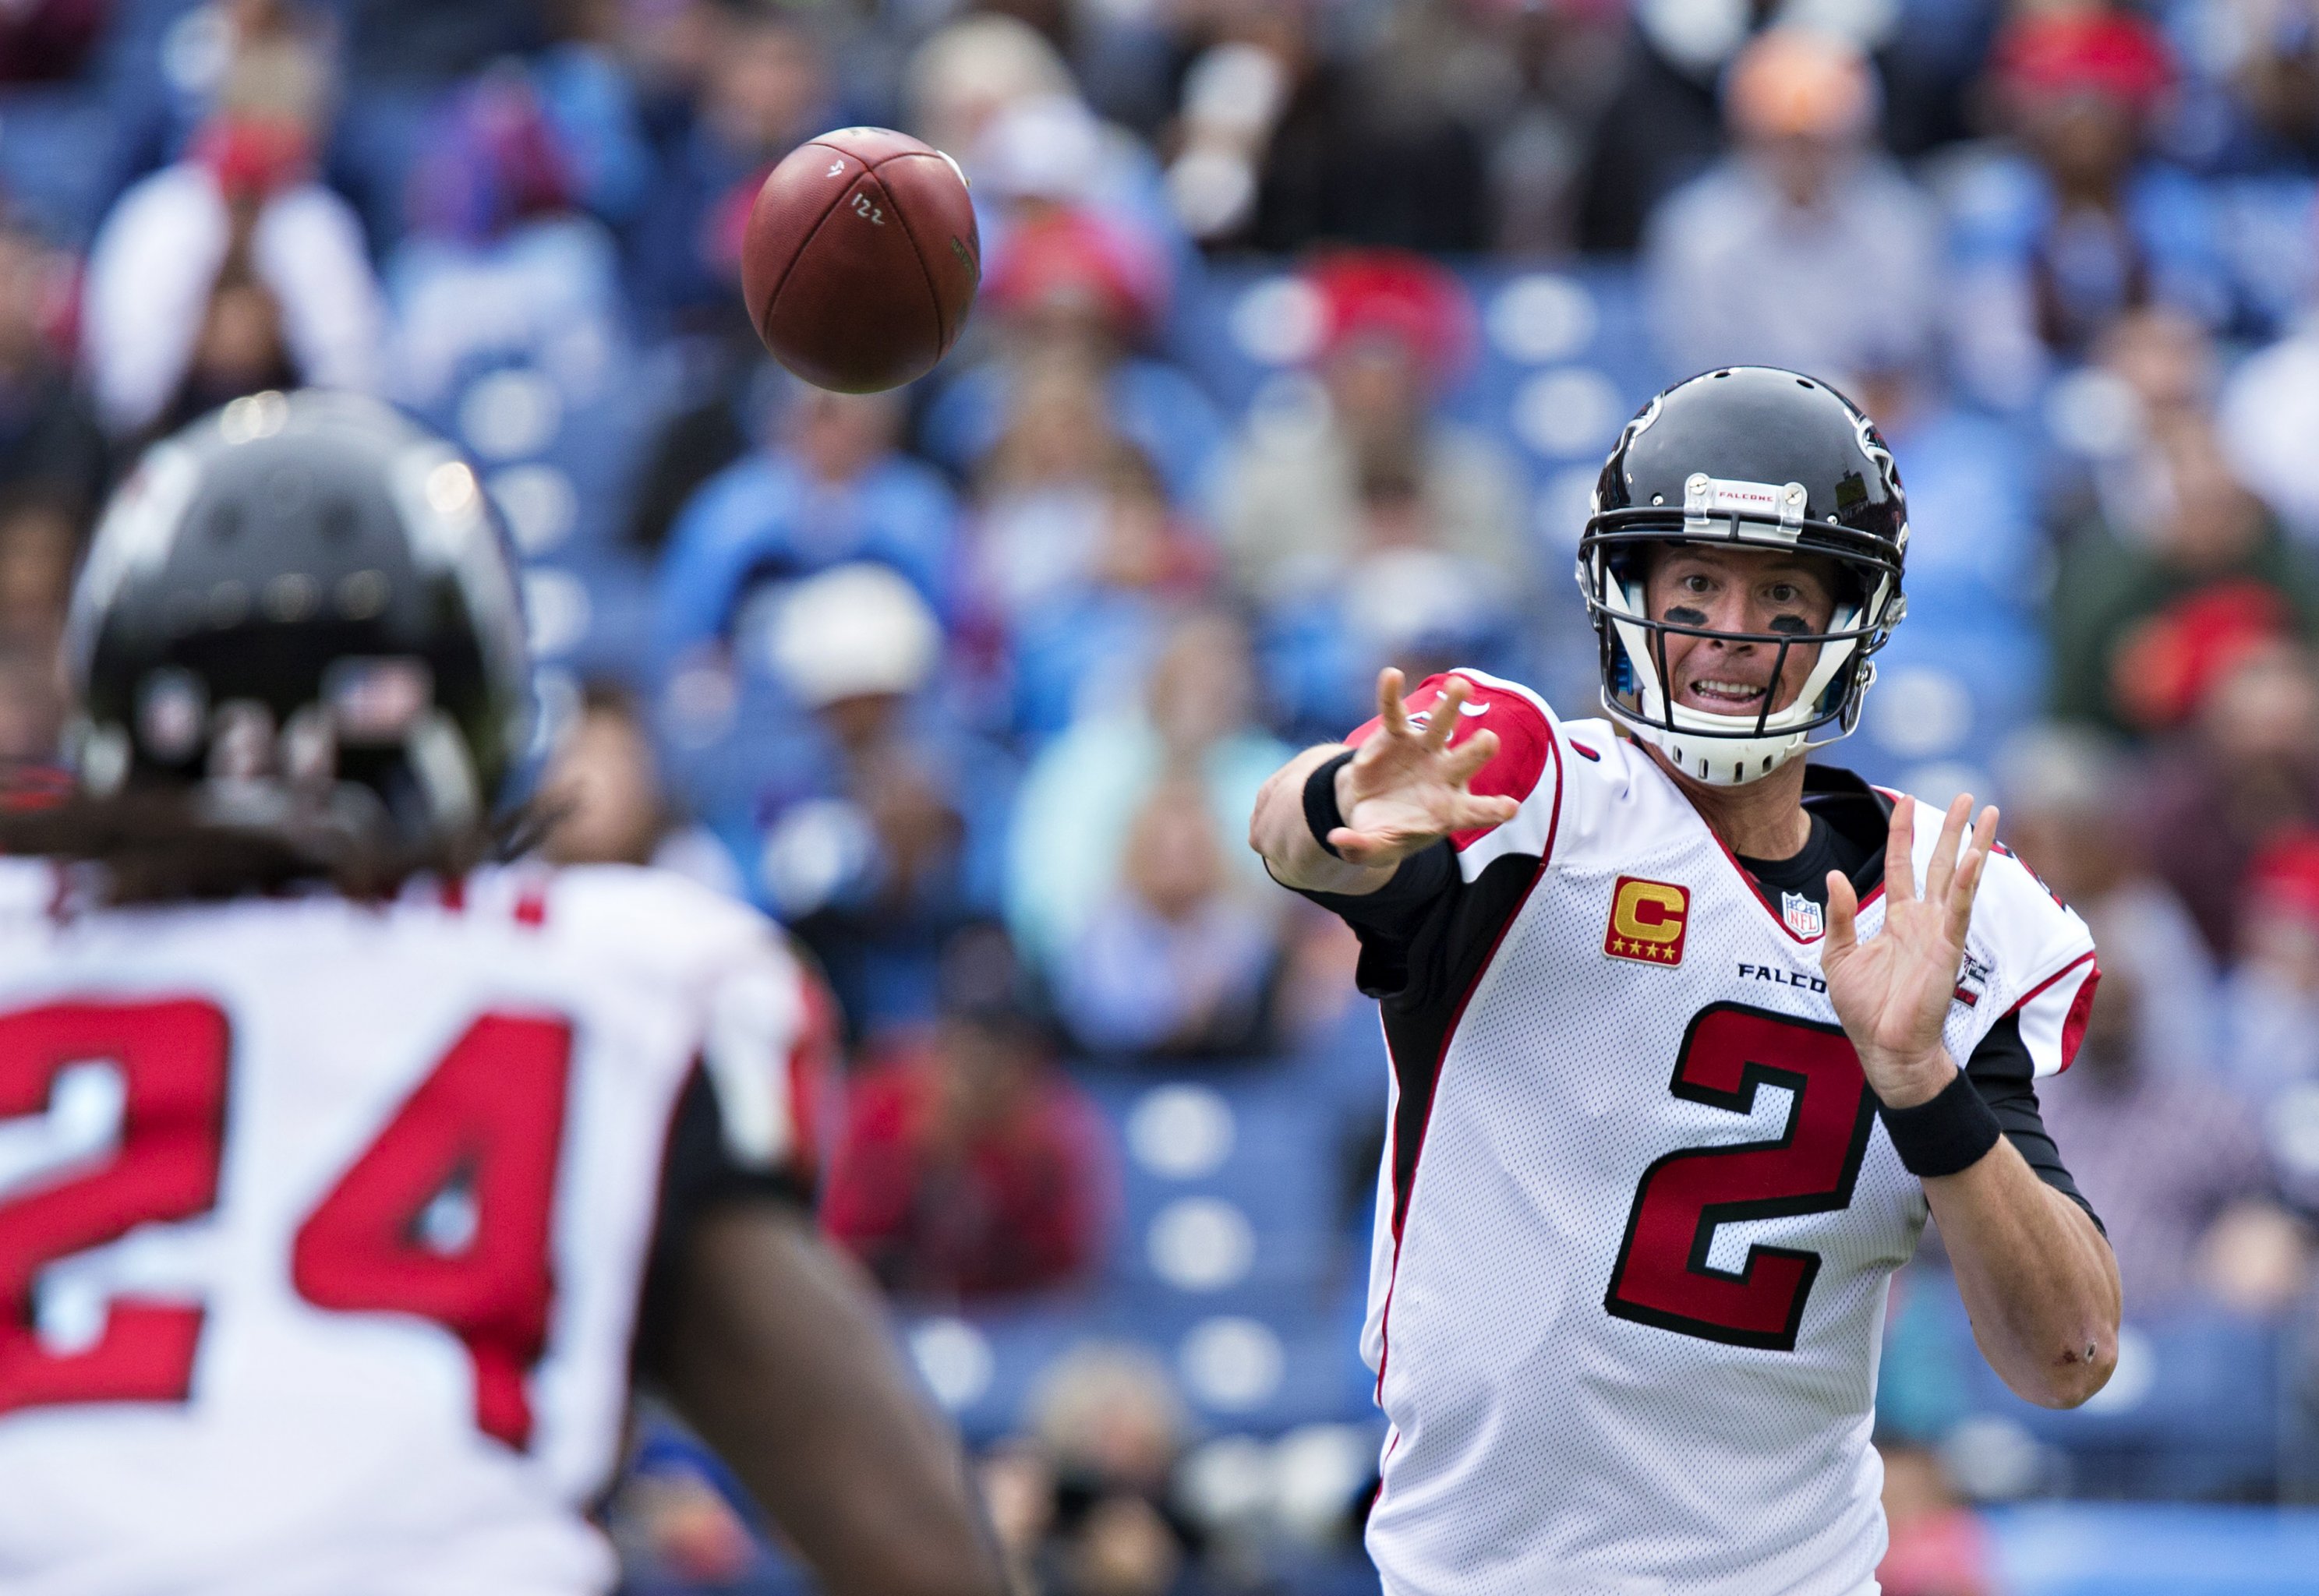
1636 1209
323 1225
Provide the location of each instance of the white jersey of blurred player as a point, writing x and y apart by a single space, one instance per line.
1637 1212
323 1226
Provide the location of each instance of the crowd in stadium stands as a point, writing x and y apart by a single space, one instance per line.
1300 322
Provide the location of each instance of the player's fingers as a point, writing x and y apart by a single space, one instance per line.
1842 927
1391 716
1444 713
1469 813
1900 851
1941 869
1465 762
1365 847
1969 873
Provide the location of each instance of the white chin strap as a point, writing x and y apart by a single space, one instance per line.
1723 750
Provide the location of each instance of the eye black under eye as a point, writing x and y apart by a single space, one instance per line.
1683 615
1793 626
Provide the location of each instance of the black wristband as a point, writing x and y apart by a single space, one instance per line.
1321 811
1950 1131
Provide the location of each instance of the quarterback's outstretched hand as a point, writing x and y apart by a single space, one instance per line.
1406 788
1892 992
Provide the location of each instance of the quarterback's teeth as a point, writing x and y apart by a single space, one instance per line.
1737 691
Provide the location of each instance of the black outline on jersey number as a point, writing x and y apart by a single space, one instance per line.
1753 1075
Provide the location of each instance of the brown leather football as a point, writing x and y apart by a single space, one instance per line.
861 259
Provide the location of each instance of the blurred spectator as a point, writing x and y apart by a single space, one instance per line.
2149 614
167 82
231 270
1078 801
882 836
52 455
2258 110
2080 224
1178 957
48 40
32 705
1288 143
766 90
1110 564
1938 1546
994 93
1397 329
2176 1169
2245 772
2273 995
40 542
1070 288
1806 247
2156 371
970 1166
2269 414
605 802
500 263
1085 1504
1660 128
828 488
1562 66
2076 813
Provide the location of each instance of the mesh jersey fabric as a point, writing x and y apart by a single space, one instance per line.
358 1442
1637 1213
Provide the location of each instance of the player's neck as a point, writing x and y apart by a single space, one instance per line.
1760 819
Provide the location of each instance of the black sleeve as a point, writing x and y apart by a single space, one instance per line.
2003 1073
1390 920
698 1174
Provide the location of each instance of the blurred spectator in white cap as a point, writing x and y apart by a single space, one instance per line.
885 837
1395 330
605 802
231 270
1081 797
1806 247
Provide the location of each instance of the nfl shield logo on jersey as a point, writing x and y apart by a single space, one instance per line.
1803 916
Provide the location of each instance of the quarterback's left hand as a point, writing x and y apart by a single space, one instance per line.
1892 992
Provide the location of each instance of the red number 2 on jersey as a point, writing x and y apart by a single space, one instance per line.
444 1216
1662 1277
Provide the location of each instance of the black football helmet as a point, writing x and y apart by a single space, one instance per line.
1762 458
303 593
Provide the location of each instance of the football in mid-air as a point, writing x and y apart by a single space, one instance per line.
861 259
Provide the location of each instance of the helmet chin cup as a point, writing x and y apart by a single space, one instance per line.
1717 762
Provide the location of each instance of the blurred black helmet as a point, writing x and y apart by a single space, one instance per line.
1764 458
304 593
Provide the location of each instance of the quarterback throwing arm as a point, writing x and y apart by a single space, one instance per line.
1659 1134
